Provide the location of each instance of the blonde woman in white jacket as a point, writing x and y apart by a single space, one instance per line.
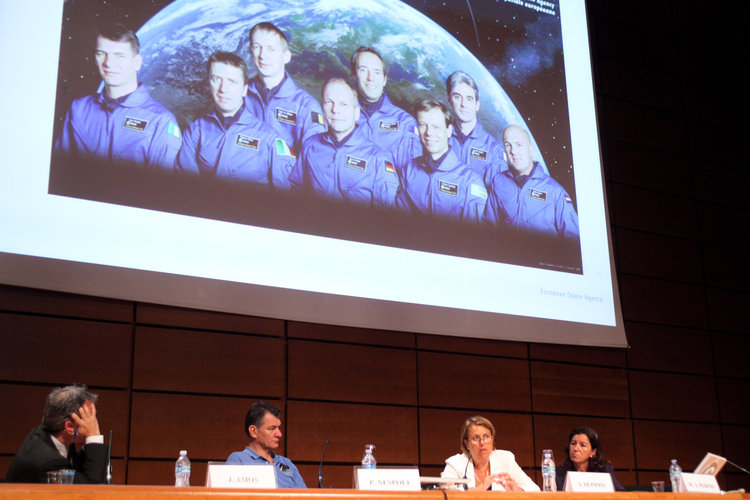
485 467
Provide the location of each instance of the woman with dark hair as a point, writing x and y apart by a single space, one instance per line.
583 453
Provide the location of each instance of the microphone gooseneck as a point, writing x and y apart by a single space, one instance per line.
320 468
467 464
109 459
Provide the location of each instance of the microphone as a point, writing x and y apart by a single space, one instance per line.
468 454
109 459
740 468
320 468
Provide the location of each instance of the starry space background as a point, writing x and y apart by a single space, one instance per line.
521 48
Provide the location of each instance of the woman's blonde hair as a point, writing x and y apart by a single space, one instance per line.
475 420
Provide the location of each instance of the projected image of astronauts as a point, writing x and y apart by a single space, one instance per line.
433 153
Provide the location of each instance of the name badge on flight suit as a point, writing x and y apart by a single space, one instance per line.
136 124
448 188
535 194
478 154
247 142
388 126
286 116
356 163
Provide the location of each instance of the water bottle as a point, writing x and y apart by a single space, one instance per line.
549 482
368 461
675 476
182 470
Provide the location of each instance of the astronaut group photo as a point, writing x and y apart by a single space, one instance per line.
374 122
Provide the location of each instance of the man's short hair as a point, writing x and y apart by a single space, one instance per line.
430 104
230 59
269 28
257 413
118 32
338 79
355 59
460 77
61 402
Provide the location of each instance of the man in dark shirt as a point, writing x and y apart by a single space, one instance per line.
69 420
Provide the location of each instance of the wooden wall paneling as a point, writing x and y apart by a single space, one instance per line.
727 310
616 436
579 390
209 428
718 225
673 397
645 477
348 334
621 80
733 481
34 301
689 350
119 470
440 434
645 300
656 443
469 381
658 256
113 413
711 178
627 477
730 354
658 130
27 403
199 361
464 345
161 472
349 427
736 440
153 314
340 372
589 355
648 168
4 465
334 476
63 351
725 267
609 32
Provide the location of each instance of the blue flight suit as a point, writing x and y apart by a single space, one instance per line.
391 128
246 151
135 129
450 188
291 111
538 204
356 169
480 150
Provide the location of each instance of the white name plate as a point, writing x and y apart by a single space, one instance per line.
589 482
699 483
388 479
221 475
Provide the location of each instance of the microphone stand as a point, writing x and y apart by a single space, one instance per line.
109 459
320 468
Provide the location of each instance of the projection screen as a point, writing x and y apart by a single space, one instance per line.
87 225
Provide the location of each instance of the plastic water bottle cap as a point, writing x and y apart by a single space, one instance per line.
183 452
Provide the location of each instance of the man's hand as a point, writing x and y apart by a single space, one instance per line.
85 419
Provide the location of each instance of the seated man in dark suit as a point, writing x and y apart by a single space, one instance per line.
69 419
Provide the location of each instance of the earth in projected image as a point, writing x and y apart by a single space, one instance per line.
420 54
